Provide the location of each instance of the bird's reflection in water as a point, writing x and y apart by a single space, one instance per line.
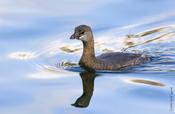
88 88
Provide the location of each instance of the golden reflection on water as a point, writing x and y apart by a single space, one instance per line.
165 33
148 32
22 55
69 49
146 82
66 64
107 50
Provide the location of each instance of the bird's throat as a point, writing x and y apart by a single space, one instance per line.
88 56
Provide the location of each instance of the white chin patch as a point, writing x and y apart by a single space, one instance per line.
83 38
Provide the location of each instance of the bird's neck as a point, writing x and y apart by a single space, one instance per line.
88 57
88 50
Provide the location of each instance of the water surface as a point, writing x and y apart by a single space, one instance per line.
38 62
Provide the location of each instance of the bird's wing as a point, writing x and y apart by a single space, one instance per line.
118 57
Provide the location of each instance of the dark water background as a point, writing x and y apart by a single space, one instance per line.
38 62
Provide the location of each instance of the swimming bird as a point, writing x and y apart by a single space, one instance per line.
105 61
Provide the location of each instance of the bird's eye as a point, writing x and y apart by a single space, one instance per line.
81 32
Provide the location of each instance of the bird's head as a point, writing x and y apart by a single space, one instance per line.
83 33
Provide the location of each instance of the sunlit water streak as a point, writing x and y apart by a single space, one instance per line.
22 55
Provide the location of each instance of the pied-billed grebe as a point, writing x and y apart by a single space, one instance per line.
106 61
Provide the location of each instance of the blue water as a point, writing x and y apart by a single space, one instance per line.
38 62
